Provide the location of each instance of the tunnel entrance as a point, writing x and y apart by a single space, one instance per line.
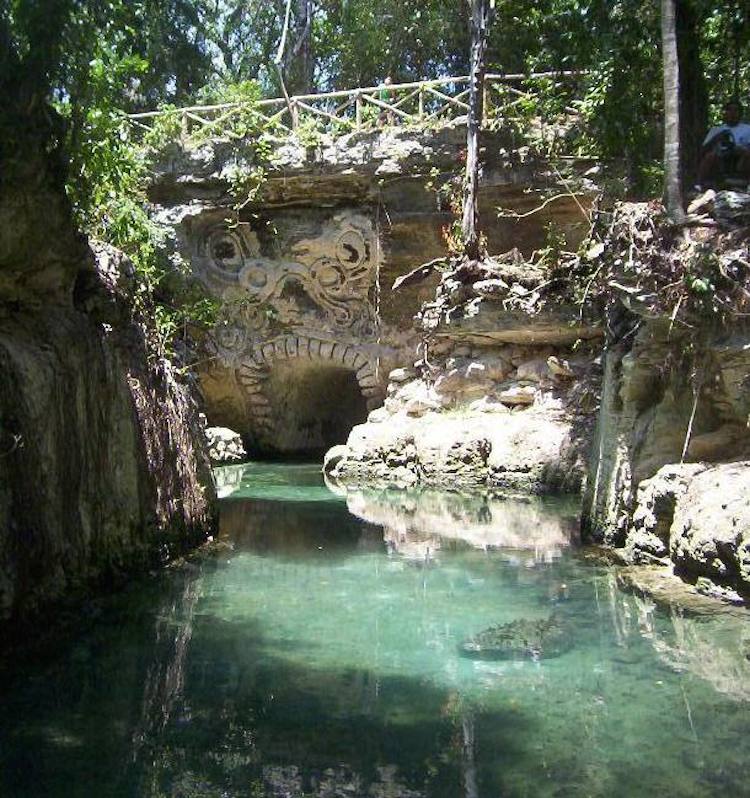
313 407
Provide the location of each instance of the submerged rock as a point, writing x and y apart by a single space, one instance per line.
518 639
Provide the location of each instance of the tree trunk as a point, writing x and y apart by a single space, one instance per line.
299 57
672 178
693 90
480 14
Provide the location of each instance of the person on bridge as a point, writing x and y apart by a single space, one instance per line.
384 95
725 153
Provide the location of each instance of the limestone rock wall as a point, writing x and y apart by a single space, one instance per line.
102 465
668 470
493 402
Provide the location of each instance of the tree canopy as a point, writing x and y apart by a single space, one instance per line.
179 51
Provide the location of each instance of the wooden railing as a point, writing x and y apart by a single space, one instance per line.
436 101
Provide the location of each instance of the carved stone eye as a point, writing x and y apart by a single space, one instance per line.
254 276
327 275
226 253
351 248
224 250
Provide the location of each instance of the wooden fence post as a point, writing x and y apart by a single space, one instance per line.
294 112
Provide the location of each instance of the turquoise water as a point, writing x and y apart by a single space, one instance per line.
317 655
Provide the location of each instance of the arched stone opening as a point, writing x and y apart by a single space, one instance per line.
313 407
305 394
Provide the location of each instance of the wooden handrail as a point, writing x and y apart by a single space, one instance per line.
394 88
418 103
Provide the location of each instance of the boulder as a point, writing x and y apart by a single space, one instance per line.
535 370
656 498
559 367
402 375
225 445
518 395
710 533
333 457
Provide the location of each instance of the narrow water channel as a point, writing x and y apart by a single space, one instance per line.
320 654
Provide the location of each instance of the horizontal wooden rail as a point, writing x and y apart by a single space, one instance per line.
443 99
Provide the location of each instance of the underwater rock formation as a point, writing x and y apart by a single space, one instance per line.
520 639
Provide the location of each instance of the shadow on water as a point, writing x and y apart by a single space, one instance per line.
194 706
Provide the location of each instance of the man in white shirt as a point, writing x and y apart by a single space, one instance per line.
726 148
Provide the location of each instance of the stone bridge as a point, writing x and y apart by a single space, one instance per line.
308 327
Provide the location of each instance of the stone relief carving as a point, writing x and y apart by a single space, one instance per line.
313 303
322 285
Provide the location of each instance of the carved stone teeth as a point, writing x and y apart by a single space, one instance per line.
252 373
257 401
359 361
303 346
279 348
351 357
369 381
336 353
326 349
314 347
268 350
365 371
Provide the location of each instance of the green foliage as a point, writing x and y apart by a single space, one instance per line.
107 185
360 42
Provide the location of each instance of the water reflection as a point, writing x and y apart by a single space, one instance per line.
714 648
319 657
419 524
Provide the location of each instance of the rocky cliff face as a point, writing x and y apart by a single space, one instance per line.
309 327
504 396
669 463
102 467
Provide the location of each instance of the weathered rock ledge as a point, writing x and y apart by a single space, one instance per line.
670 462
509 408
696 519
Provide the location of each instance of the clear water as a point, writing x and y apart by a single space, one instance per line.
317 655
